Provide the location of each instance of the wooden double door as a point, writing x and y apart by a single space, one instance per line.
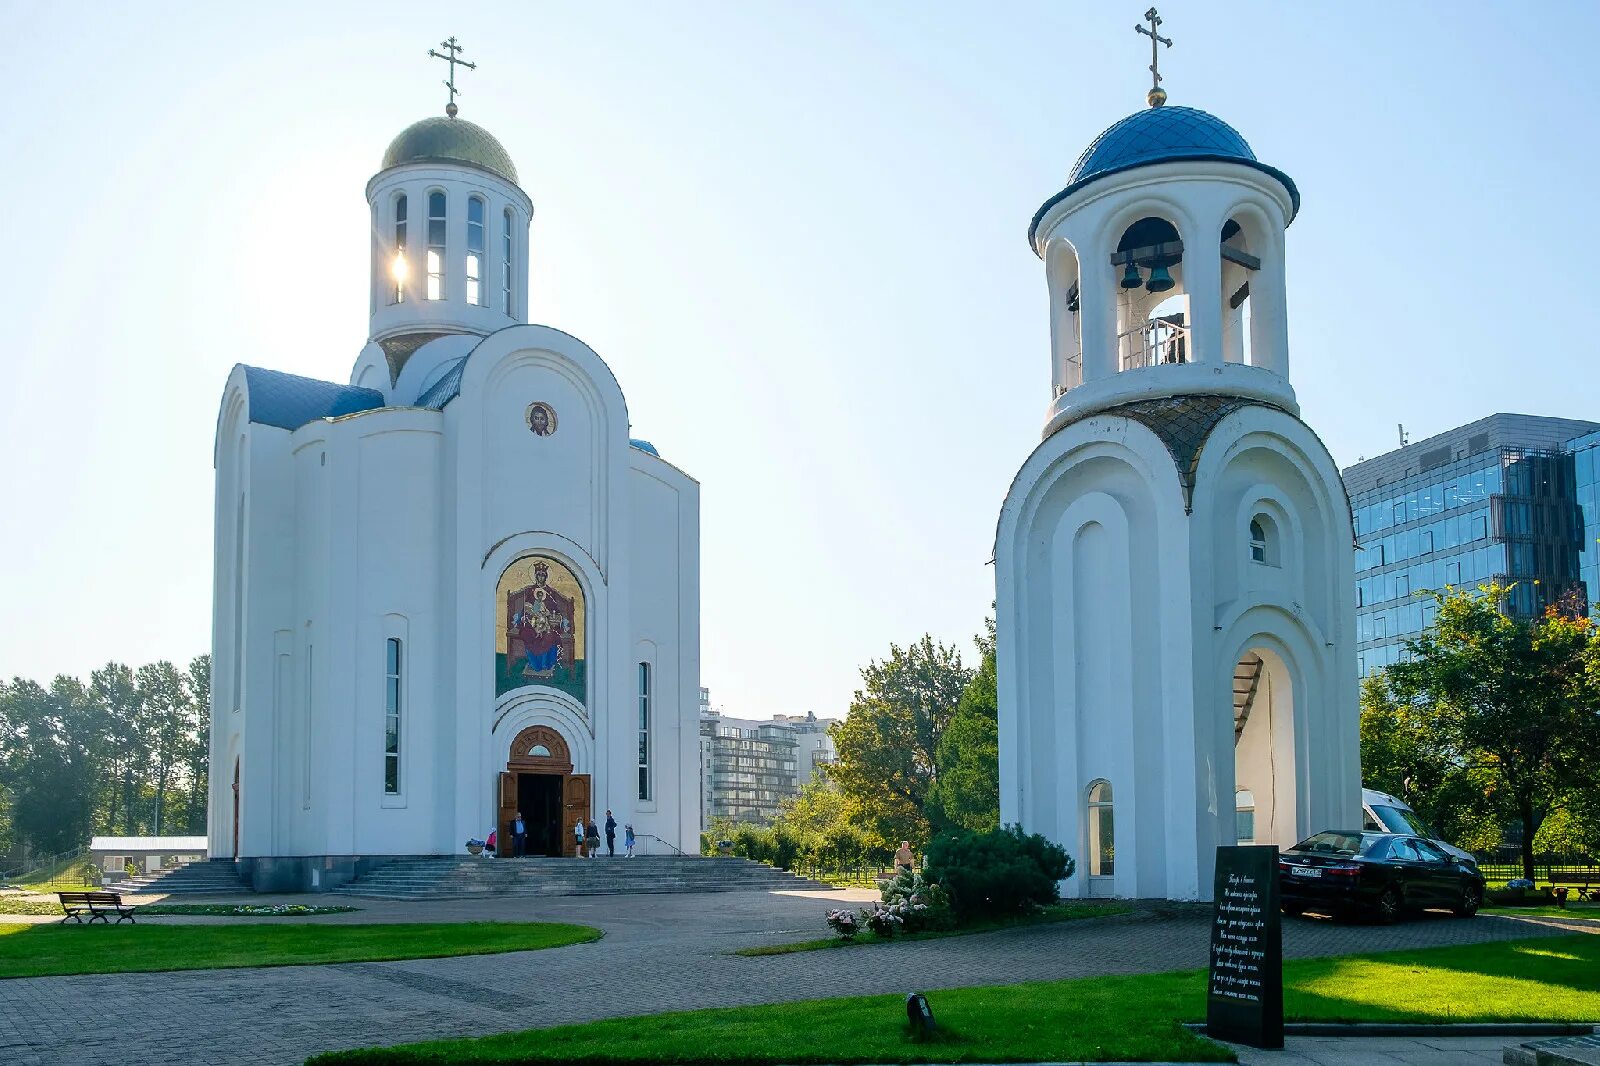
538 781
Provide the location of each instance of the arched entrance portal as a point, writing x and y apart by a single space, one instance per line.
539 782
1263 750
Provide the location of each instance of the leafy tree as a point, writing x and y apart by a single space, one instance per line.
121 736
47 762
166 712
197 752
888 744
966 792
1517 700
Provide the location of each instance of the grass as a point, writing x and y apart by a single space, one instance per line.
1097 1018
41 950
1058 912
70 875
1590 911
28 905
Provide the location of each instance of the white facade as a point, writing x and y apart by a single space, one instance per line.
417 569
1173 563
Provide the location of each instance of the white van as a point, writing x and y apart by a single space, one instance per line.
1383 813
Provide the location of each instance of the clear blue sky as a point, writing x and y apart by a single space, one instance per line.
795 231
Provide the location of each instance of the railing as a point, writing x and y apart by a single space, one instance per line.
1506 864
639 838
1160 340
43 862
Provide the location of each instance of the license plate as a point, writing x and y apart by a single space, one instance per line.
1308 871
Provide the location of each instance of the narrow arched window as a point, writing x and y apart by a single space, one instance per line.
1244 816
391 717
436 245
644 731
1102 836
475 251
1258 541
397 268
505 265
1264 547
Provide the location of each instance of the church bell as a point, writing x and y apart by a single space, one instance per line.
1160 280
1130 276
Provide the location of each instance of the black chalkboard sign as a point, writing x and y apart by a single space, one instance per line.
1244 985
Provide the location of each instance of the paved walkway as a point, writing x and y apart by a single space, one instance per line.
659 953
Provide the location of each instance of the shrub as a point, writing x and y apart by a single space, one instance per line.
883 921
844 923
996 872
920 904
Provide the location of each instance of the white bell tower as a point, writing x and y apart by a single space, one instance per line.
449 240
1174 565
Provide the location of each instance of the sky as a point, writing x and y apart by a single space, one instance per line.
795 231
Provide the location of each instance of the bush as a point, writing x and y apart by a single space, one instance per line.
997 872
921 906
844 923
883 921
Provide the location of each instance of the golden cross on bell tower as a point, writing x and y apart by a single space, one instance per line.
452 48
1157 95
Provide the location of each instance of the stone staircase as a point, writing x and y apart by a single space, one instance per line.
460 877
214 876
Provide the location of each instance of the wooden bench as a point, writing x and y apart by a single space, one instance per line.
1586 882
93 906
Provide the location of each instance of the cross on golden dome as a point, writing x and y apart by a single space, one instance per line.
454 60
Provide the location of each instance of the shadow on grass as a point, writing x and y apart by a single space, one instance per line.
1130 1018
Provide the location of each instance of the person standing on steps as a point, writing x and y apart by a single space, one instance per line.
591 838
627 840
611 835
519 835
577 838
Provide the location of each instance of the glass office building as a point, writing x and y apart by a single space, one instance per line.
1495 500
1586 470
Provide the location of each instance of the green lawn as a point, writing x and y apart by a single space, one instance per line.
1097 1018
1057 912
40 950
1590 911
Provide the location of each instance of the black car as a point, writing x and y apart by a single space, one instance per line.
1382 873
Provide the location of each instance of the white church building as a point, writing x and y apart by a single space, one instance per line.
1174 562
454 587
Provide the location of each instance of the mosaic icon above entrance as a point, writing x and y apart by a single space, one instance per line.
539 628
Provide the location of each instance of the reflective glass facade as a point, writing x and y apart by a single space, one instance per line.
1586 473
1493 501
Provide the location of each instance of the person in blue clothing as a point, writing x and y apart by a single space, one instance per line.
627 840
519 835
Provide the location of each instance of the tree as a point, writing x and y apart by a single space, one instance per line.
47 762
121 735
888 744
197 753
167 726
1517 699
966 792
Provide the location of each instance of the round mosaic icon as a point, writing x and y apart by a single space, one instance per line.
541 419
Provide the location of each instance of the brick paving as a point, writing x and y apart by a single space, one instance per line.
659 953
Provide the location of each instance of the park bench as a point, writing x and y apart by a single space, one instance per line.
1587 882
92 906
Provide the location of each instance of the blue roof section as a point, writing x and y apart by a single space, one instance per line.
644 446
289 401
1162 135
447 388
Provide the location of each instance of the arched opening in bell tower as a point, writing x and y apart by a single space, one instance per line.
1152 306
1263 750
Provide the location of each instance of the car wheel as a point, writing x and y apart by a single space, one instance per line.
1389 905
1471 900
